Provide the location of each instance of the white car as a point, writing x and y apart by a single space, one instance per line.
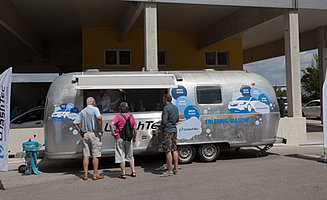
242 105
29 119
312 109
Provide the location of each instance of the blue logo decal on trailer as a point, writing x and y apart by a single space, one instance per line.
182 102
178 92
65 111
246 90
249 100
2 152
191 111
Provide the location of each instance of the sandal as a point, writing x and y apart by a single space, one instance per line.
122 176
98 177
133 174
85 178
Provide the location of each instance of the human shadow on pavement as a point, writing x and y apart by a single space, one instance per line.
111 173
73 166
232 154
1 186
149 163
306 157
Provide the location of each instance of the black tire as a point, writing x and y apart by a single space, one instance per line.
237 149
21 169
186 154
208 152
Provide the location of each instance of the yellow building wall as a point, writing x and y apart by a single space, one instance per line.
181 49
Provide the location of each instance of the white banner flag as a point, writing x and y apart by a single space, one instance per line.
324 105
5 90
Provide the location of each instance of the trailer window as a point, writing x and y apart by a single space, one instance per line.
208 94
139 100
106 100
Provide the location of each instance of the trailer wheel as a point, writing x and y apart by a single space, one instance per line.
186 154
208 152
21 169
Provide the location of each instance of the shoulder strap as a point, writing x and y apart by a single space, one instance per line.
130 116
123 116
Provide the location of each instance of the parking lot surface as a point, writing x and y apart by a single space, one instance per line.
287 172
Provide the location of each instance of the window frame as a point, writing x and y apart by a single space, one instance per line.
28 114
314 102
204 85
216 60
118 58
165 52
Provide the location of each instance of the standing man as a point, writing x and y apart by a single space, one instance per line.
103 99
168 125
90 129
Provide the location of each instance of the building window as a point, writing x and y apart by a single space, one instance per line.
217 58
162 58
208 94
117 57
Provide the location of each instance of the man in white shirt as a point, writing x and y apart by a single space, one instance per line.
89 126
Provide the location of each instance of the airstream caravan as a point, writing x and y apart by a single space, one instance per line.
217 109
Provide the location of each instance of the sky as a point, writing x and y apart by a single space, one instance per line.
274 69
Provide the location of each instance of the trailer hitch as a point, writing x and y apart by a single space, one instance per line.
263 151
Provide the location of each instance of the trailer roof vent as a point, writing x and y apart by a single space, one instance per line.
179 77
92 70
208 70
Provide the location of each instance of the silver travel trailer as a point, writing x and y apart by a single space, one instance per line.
217 109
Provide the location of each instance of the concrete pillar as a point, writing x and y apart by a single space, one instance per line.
322 56
150 37
293 128
293 73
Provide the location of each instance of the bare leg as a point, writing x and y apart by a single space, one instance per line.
86 165
122 167
175 155
169 160
132 166
95 162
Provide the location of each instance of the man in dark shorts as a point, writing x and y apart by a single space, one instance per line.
168 125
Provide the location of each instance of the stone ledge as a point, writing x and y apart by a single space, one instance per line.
293 129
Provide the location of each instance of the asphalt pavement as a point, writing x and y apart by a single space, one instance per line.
287 172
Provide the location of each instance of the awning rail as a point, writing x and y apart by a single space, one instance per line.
126 81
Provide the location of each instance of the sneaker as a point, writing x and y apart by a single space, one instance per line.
162 168
166 174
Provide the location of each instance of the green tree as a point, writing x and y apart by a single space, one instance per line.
279 92
310 80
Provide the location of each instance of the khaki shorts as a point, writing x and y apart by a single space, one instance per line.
92 145
169 142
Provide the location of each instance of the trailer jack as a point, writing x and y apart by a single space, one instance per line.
263 151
